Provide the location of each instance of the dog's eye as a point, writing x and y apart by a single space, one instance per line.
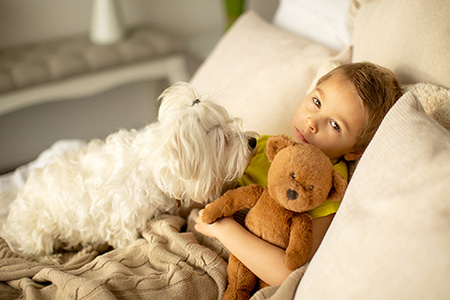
311 187
293 176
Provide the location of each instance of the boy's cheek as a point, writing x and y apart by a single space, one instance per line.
327 146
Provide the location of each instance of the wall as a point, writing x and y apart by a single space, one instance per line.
27 132
29 21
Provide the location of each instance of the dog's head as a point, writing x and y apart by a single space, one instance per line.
201 147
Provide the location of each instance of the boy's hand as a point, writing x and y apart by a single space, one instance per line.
212 230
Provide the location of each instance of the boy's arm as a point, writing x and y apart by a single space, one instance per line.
264 259
261 257
320 227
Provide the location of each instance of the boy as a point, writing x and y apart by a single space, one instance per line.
340 117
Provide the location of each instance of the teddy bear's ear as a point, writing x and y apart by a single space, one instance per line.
277 143
338 188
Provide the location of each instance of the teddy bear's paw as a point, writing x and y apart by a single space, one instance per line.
209 215
294 261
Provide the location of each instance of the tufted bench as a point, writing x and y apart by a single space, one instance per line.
74 67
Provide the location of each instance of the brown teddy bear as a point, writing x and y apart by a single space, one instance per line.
301 177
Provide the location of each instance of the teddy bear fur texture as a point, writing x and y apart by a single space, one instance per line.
301 177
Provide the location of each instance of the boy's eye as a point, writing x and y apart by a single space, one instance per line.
336 126
317 102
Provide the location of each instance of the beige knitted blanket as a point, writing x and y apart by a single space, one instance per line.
167 263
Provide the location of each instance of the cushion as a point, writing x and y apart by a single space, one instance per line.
261 73
390 237
323 21
409 37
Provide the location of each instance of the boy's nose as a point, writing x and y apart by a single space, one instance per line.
311 125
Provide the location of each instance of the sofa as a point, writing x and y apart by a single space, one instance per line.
390 236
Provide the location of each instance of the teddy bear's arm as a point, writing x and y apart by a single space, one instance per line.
300 241
231 202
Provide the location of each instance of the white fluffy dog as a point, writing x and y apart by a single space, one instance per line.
108 190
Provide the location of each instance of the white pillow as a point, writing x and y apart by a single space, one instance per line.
261 73
390 238
322 21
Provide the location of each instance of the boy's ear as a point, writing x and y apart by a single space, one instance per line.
276 144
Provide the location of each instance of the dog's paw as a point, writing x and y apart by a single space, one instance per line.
51 259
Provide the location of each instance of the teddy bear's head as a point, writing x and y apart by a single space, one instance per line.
301 177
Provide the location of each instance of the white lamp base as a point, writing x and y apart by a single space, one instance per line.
106 24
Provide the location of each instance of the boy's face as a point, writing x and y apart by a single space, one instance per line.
331 118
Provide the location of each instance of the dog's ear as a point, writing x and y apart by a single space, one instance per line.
276 144
182 146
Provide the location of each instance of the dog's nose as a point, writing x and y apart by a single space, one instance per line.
291 194
252 143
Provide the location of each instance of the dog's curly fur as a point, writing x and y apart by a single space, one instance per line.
108 190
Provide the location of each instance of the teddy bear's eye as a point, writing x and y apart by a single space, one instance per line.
293 176
311 187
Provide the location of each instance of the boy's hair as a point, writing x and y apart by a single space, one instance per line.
378 89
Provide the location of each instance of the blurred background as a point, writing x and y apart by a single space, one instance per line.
25 132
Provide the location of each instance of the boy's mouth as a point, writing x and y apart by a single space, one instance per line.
301 136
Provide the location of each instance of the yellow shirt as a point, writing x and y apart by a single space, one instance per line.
256 173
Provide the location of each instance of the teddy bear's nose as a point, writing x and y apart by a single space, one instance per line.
291 194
